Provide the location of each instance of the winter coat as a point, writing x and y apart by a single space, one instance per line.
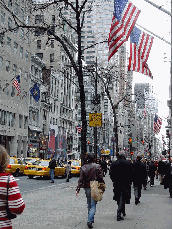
120 174
68 169
15 201
139 173
52 163
89 172
104 166
161 167
152 169
167 180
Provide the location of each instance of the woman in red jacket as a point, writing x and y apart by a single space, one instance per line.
15 201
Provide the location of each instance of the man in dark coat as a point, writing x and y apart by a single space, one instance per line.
104 166
139 175
161 170
152 170
52 165
120 174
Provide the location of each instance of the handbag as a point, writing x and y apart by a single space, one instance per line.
9 214
97 189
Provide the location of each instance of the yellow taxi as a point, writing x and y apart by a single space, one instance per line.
40 168
16 166
30 160
75 167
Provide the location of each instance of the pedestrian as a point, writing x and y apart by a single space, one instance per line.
104 167
139 173
121 176
161 170
167 180
146 175
156 164
89 172
52 165
152 170
15 201
68 171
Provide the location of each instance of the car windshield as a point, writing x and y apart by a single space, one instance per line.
44 163
12 161
30 160
75 163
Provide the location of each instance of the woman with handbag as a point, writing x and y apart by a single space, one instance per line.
90 172
13 204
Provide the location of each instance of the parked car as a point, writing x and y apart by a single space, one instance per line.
40 168
16 166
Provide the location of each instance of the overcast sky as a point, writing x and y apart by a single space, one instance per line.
159 23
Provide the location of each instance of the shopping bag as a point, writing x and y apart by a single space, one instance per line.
97 190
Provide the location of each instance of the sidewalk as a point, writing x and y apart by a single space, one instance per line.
57 207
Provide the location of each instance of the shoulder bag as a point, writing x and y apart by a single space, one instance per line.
9 214
97 189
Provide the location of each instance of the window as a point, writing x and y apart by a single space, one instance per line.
16 28
7 65
15 47
20 72
22 14
2 16
39 19
38 44
53 19
52 44
52 57
22 33
16 9
9 23
14 69
20 120
12 117
10 4
26 76
26 55
12 91
25 122
1 62
21 52
39 32
8 42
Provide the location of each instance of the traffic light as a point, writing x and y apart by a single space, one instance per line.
142 142
88 142
167 133
130 141
131 153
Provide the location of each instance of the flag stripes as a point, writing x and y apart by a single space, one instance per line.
122 25
157 124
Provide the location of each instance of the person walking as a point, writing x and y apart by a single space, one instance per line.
139 173
15 201
89 172
68 171
104 167
152 170
167 180
146 175
52 165
161 170
121 175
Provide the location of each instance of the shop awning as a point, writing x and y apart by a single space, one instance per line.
34 128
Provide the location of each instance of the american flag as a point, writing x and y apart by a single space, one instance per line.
16 83
157 124
140 46
79 128
123 21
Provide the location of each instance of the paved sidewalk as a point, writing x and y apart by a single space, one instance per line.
57 207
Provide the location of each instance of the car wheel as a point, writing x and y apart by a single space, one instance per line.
30 176
16 174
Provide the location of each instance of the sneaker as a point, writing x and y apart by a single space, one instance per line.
119 218
124 214
89 224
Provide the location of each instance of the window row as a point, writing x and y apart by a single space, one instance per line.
7 118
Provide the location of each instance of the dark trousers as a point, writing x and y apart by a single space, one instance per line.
121 205
151 180
137 191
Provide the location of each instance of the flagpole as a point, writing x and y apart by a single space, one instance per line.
9 83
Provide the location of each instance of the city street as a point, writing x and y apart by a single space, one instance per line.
55 205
